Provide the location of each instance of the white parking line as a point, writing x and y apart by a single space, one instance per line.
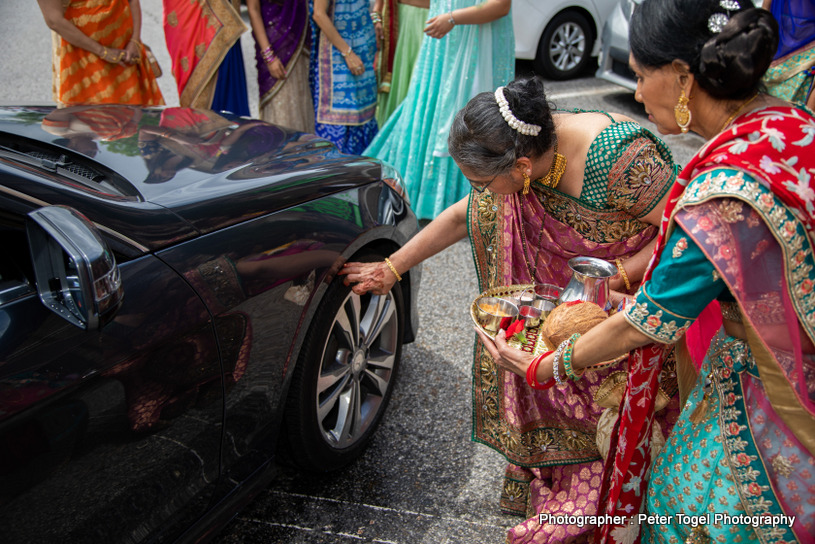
369 506
588 92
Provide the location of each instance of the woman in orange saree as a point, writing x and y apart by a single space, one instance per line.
97 55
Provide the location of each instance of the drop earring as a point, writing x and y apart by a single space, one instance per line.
682 113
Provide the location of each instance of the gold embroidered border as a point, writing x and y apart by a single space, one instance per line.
789 234
200 87
533 447
267 97
782 224
600 226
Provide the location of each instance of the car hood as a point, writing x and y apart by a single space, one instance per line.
208 169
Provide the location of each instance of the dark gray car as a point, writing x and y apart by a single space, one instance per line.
171 319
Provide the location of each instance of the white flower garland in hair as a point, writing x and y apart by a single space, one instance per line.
524 128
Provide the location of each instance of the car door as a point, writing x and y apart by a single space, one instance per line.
109 435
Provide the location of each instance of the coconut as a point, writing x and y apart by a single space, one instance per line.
570 318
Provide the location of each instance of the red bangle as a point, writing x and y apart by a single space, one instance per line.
532 373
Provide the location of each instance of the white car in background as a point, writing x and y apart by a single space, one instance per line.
613 62
559 36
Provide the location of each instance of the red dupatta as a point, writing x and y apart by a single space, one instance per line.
199 35
390 30
756 145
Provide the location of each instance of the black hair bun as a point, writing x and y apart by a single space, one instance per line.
527 100
733 62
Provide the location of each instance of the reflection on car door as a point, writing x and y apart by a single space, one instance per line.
112 435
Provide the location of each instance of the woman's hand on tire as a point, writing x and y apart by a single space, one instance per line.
363 278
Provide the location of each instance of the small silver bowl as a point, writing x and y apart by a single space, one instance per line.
492 310
544 305
531 316
527 297
548 291
515 301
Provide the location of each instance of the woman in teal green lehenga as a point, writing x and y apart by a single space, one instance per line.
470 56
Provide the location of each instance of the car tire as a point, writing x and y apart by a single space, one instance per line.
344 376
565 47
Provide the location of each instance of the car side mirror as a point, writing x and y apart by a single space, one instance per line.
76 273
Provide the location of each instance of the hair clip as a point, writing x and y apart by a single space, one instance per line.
717 21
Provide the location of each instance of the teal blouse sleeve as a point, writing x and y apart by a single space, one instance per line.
663 307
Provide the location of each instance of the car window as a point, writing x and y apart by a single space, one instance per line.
16 272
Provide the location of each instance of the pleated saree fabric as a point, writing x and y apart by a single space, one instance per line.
81 77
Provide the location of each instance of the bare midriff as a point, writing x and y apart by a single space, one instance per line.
416 3
735 329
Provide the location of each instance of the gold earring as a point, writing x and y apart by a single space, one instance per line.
682 113
527 181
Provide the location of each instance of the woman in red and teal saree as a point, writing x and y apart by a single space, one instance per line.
732 283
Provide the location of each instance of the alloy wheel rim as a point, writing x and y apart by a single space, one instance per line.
567 47
357 367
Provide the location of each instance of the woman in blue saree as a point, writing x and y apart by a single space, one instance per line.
792 74
342 77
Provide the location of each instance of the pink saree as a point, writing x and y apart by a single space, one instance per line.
199 35
549 437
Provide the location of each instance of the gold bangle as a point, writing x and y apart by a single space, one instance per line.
622 272
393 269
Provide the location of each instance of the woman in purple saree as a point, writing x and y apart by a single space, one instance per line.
560 185
282 41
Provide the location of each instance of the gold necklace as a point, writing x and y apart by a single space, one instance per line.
556 169
738 110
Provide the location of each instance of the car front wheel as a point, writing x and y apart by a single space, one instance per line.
565 47
344 377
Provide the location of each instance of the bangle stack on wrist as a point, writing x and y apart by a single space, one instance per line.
556 364
564 352
450 19
376 18
350 49
532 373
567 358
268 55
